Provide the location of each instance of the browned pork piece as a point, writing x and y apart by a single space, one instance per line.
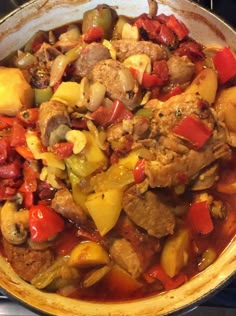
149 211
64 204
126 47
119 82
89 56
53 122
27 262
175 157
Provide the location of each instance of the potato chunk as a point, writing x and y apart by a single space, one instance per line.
88 254
15 92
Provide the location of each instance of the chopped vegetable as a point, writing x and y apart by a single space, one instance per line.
88 254
225 64
44 223
139 171
174 255
208 257
179 28
169 283
104 208
194 131
200 219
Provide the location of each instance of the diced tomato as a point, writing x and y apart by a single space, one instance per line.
200 219
149 28
95 33
160 68
139 171
151 80
192 50
10 170
225 64
4 149
107 116
157 272
179 28
30 178
63 150
29 116
194 131
166 36
17 135
44 222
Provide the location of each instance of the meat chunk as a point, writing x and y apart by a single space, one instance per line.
89 56
181 69
64 204
144 245
52 116
27 262
119 82
150 212
125 48
175 157
125 256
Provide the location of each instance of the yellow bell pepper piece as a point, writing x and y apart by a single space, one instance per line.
88 254
67 93
105 208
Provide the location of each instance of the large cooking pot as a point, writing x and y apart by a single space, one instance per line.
15 30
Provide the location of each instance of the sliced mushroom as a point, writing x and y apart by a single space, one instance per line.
13 230
206 179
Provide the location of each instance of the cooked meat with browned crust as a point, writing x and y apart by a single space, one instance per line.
27 262
64 204
149 211
126 47
52 115
175 157
144 245
89 56
119 82
124 255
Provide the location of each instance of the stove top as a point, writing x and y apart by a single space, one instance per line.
226 298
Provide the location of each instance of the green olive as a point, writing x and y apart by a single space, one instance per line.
103 16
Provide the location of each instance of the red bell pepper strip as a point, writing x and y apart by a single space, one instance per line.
151 80
157 272
63 150
179 28
194 131
30 178
139 171
148 28
174 91
166 36
6 121
17 135
29 116
225 64
24 152
200 219
44 222
95 33
28 199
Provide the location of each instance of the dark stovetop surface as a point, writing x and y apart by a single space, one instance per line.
225 298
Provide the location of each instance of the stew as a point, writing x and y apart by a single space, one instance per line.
117 156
